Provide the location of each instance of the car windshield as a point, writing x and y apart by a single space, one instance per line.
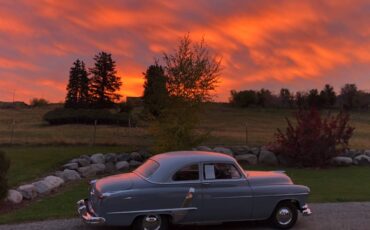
148 168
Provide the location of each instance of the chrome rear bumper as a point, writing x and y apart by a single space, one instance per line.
87 216
306 211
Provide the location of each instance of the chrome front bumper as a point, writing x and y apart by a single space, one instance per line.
87 216
306 211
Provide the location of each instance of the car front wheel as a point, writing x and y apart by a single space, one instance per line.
285 215
151 222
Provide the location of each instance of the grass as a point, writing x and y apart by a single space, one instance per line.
63 205
40 152
227 126
30 162
327 185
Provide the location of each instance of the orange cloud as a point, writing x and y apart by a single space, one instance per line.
296 44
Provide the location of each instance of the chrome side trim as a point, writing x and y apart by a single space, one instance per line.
231 197
155 210
286 194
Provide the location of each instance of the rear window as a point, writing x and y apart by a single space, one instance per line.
148 168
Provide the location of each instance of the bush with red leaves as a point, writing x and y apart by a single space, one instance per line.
315 139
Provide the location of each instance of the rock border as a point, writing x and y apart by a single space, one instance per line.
87 166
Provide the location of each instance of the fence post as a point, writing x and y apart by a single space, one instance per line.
12 131
94 134
246 133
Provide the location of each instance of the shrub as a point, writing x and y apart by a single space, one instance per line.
315 139
38 102
62 116
175 129
4 166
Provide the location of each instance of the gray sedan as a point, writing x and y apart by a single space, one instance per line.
193 187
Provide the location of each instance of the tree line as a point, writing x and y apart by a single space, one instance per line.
350 97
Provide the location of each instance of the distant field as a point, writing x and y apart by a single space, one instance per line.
227 126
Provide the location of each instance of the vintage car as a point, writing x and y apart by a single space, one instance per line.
193 187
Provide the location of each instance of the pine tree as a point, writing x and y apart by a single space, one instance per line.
155 91
78 86
104 82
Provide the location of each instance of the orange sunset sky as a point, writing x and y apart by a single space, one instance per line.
271 44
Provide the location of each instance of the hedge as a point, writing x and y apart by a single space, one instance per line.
62 116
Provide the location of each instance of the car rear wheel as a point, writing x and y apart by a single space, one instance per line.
151 222
285 215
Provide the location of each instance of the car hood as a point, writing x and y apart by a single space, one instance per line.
260 178
116 183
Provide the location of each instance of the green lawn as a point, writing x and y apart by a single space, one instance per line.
31 162
327 185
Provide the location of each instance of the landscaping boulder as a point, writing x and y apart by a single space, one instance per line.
42 187
255 151
82 162
28 191
70 166
267 157
223 150
123 157
54 181
110 167
362 160
122 165
144 153
14 197
341 161
240 150
97 158
204 148
87 171
110 157
136 156
68 175
98 168
134 163
249 159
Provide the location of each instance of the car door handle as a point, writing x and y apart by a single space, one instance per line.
206 183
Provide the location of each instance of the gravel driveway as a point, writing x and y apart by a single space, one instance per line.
354 216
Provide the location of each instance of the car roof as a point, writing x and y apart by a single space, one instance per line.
171 162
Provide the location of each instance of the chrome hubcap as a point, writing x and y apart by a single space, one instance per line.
152 222
284 216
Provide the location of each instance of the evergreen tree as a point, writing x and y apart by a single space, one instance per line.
155 91
78 86
104 82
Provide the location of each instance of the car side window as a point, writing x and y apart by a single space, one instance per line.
187 173
220 171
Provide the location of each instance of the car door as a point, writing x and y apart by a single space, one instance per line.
186 194
226 194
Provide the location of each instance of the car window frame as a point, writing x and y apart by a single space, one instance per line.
242 178
187 181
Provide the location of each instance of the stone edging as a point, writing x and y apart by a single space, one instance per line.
89 166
